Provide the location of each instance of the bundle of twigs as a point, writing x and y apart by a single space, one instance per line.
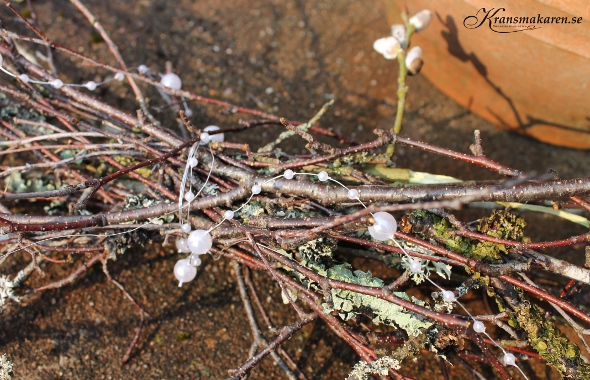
109 179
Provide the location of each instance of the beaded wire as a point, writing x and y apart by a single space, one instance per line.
185 269
58 83
415 265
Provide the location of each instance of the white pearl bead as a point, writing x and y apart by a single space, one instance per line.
415 266
229 215
172 81
143 69
205 138
289 174
192 162
182 246
509 359
323 176
195 260
199 242
219 137
119 77
186 228
479 327
353 194
188 112
24 78
256 189
90 85
189 196
184 272
448 296
57 83
384 227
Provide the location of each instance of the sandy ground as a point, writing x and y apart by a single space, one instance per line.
287 58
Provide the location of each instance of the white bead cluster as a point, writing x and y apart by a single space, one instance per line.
198 242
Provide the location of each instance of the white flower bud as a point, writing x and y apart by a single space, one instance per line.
414 60
387 46
398 31
421 20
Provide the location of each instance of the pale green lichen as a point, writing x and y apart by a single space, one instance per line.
351 304
314 254
34 182
362 370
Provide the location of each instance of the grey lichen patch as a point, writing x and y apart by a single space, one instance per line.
9 110
6 290
362 370
256 209
252 210
133 202
5 368
318 250
33 182
351 304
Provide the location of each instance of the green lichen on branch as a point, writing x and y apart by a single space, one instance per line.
503 224
500 224
351 304
317 256
552 344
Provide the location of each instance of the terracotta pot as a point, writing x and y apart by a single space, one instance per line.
535 82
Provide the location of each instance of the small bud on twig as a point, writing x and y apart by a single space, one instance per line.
421 20
399 32
414 60
388 46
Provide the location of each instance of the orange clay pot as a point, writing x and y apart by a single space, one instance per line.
535 82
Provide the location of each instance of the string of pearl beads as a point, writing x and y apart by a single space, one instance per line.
383 229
